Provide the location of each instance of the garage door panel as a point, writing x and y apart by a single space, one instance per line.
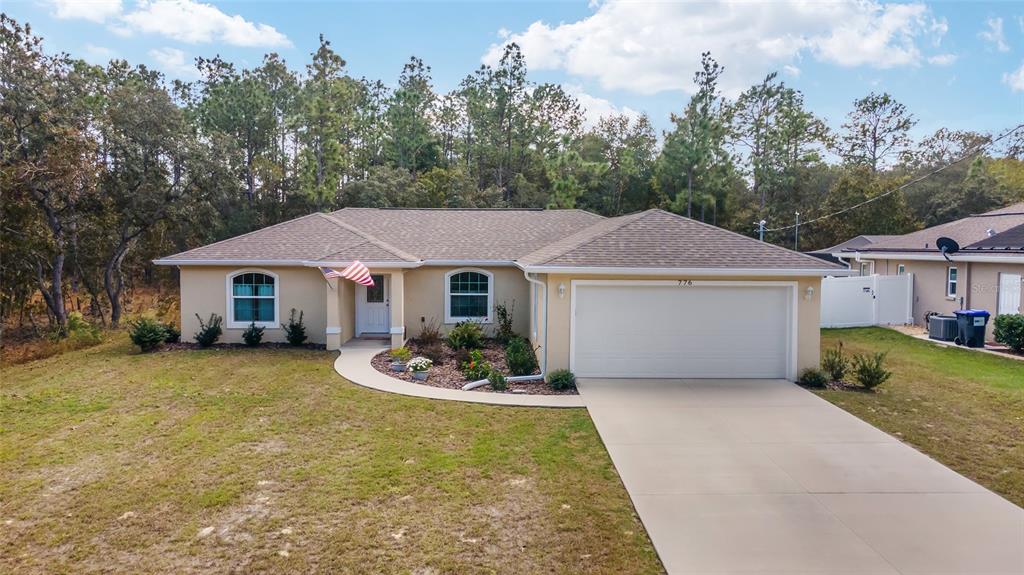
677 331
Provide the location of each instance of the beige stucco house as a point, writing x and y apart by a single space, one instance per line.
649 294
986 273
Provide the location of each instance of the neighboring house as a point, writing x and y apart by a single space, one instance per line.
857 243
985 274
649 294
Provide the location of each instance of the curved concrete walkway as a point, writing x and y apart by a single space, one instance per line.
353 364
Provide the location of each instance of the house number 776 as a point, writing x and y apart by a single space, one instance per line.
685 283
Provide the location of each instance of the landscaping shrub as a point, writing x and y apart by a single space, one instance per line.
475 368
835 363
295 330
520 357
171 333
503 314
461 357
253 335
209 331
81 332
561 379
147 333
430 334
401 354
434 352
497 381
869 369
813 378
466 335
1009 330
420 364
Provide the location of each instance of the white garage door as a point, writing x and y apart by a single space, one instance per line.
662 329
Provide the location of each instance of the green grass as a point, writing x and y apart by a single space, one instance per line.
964 408
267 461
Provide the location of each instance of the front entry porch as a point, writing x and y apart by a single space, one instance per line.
358 311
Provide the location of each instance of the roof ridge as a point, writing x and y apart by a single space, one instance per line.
720 229
626 220
370 238
246 234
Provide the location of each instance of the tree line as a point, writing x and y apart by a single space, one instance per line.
107 167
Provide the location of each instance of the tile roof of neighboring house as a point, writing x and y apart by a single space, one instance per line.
659 239
965 231
558 238
1012 240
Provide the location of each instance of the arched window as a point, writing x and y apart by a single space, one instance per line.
252 297
468 295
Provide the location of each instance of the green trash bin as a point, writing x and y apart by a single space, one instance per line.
971 327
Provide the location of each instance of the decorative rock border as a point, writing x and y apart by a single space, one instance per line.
353 363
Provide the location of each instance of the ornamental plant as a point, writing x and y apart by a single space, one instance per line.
498 381
147 333
1009 330
253 335
209 330
401 354
294 330
520 357
466 335
420 364
475 367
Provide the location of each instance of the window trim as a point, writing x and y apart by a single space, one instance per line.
448 318
230 303
954 282
901 269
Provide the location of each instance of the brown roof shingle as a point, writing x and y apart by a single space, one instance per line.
965 231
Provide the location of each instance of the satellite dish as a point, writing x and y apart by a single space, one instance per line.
947 246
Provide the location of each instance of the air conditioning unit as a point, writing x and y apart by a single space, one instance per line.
942 327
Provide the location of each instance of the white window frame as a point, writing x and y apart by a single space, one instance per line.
901 269
230 303
951 281
448 317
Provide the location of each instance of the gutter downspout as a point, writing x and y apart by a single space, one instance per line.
544 358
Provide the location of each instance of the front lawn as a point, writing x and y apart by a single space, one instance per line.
266 460
964 408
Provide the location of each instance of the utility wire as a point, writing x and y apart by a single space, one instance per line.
975 151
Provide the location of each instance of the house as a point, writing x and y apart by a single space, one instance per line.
857 243
986 272
650 294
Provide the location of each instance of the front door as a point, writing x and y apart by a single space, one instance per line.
373 314
1009 293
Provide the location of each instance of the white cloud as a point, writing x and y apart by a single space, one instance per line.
92 10
182 20
652 47
994 34
791 70
98 54
1015 79
942 59
595 108
173 62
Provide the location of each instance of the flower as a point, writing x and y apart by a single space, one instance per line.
419 364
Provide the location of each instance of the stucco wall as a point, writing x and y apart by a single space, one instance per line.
424 297
204 291
559 311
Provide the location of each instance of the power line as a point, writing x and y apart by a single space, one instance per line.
923 177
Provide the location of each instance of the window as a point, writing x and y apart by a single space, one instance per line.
468 294
252 297
901 269
375 293
951 282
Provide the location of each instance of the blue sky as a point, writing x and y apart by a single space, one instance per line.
954 64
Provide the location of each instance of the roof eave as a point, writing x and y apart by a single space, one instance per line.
960 256
694 272
280 263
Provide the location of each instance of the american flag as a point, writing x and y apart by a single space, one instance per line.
356 272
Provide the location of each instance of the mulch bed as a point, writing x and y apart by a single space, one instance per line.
192 346
446 374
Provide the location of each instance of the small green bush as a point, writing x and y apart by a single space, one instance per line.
813 378
253 335
294 330
497 381
504 316
81 332
520 357
1009 330
561 379
209 331
401 354
475 368
430 334
172 333
835 363
147 333
466 335
869 370
434 352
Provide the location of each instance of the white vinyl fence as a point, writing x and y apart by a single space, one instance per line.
867 300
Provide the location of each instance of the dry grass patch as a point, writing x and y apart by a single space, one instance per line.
265 460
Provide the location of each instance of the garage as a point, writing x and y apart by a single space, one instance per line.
683 329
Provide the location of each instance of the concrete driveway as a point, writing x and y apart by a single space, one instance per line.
764 477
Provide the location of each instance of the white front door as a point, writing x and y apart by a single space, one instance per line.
1009 293
373 313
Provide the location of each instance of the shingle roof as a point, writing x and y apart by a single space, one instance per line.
965 231
466 234
659 239
1012 240
858 242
